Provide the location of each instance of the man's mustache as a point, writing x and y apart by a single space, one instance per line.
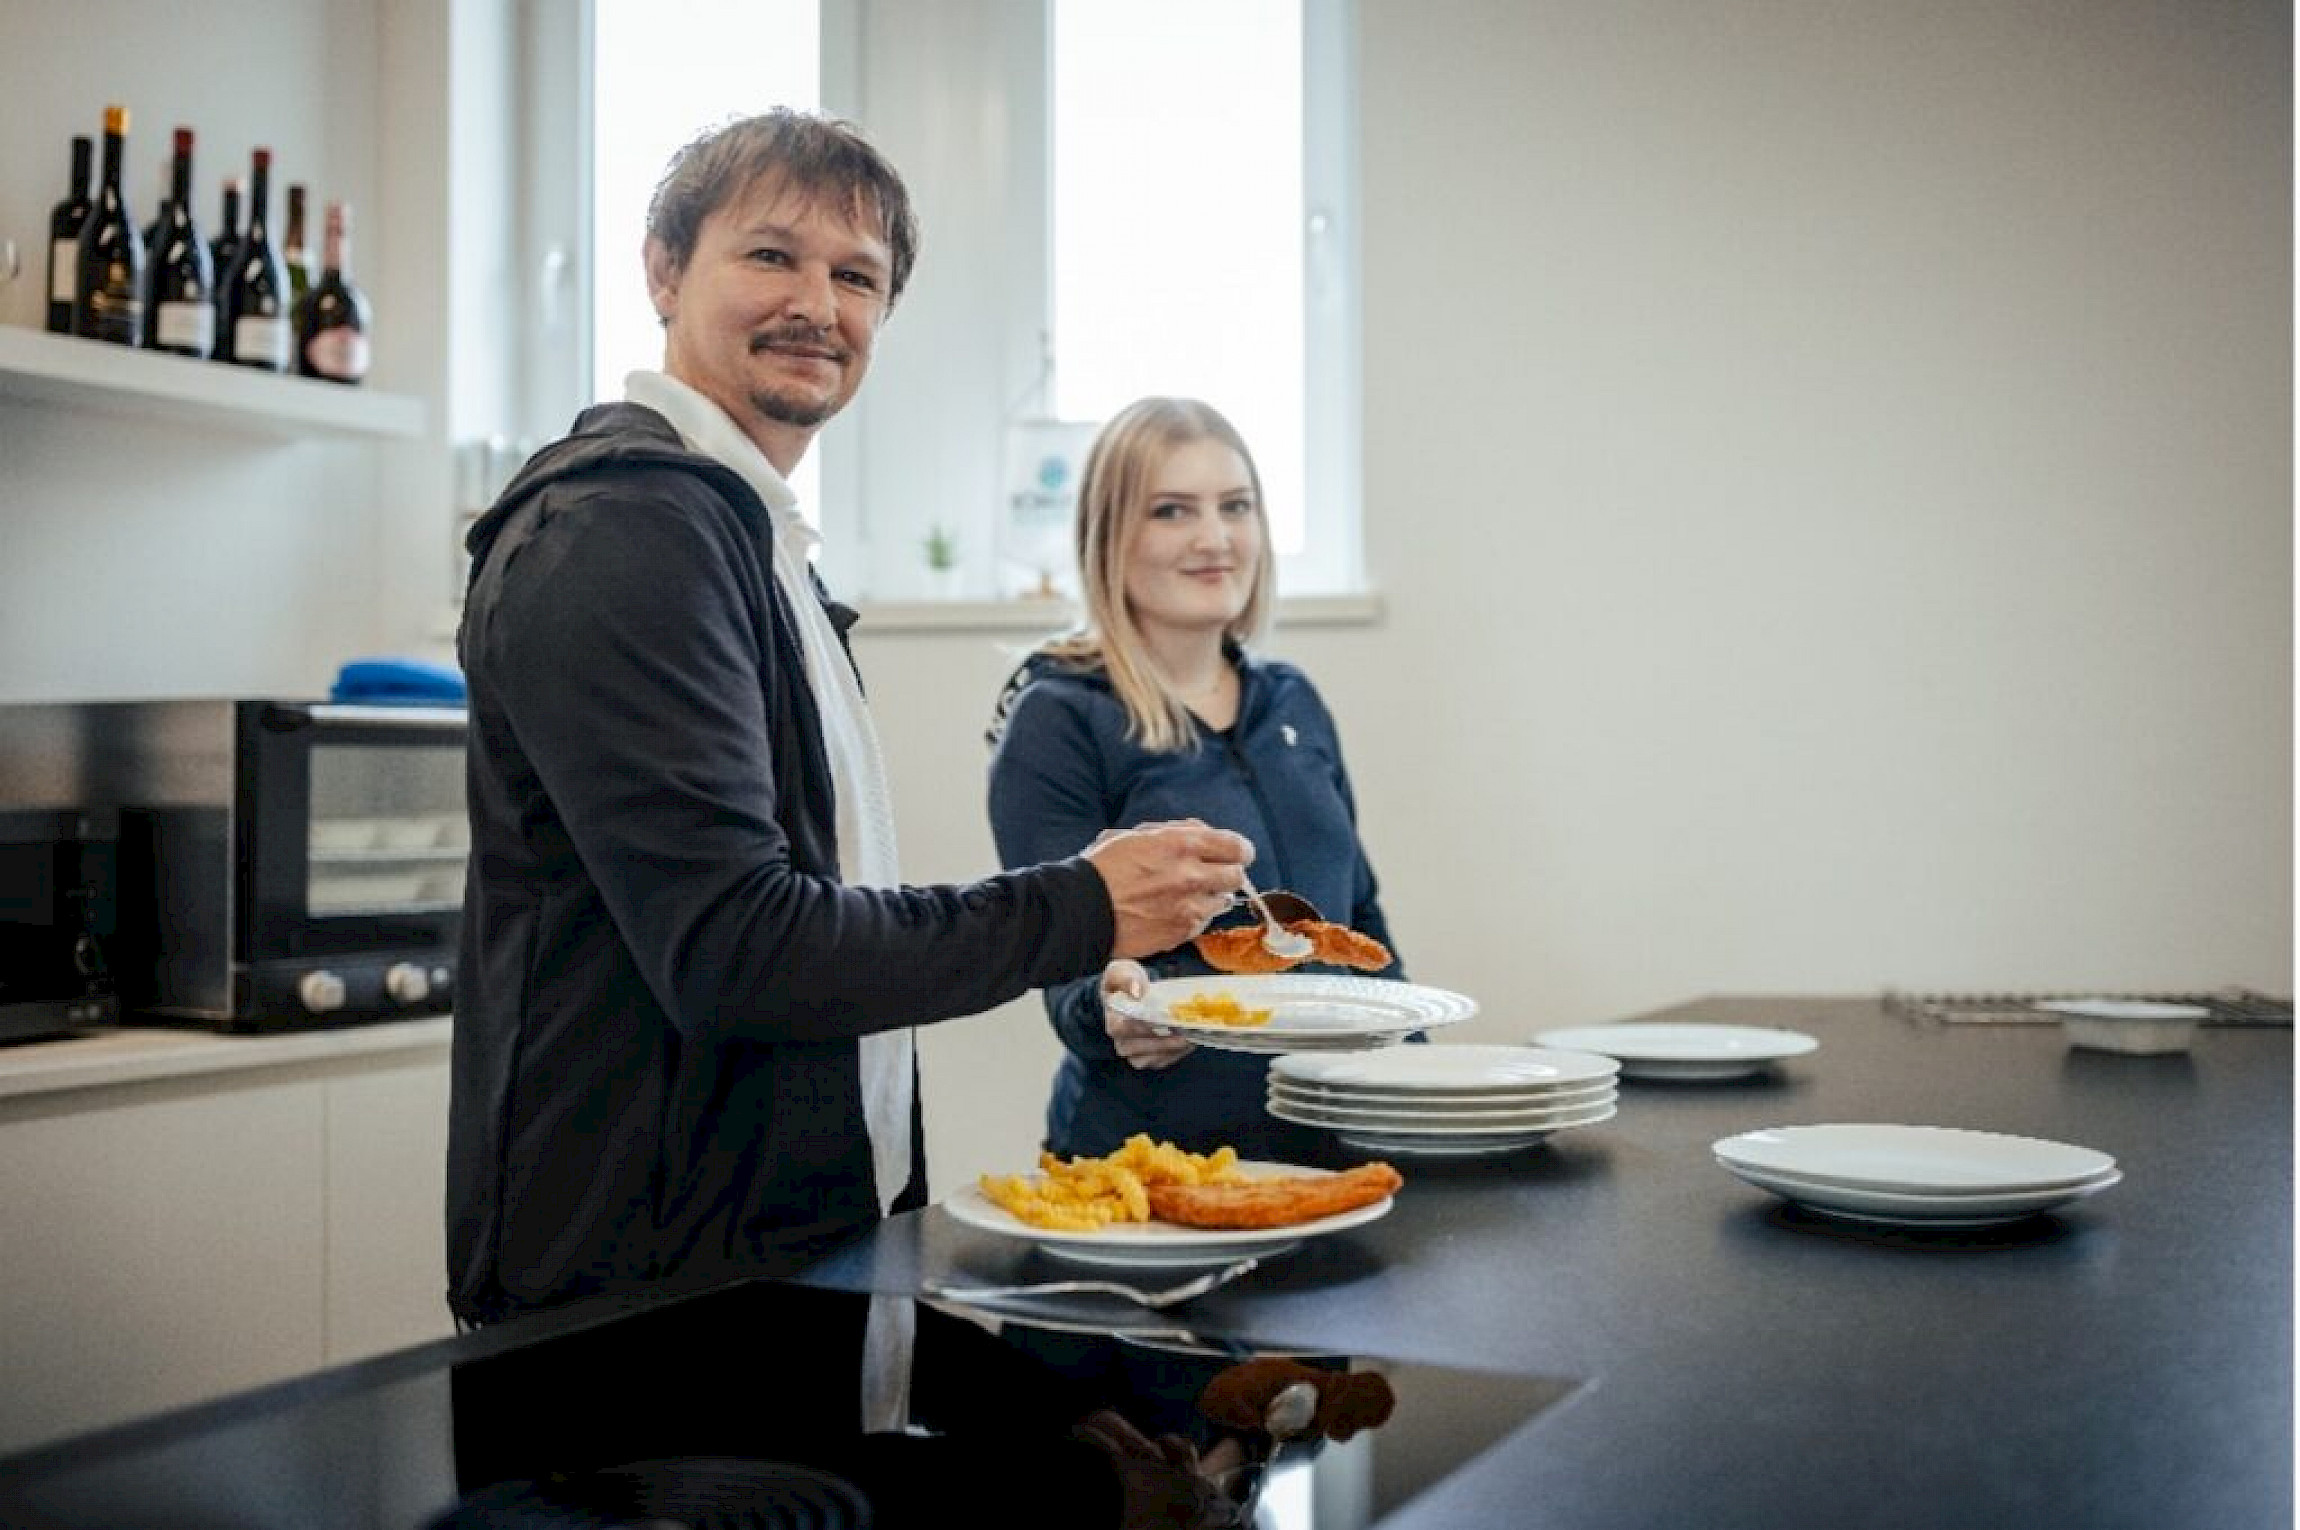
809 336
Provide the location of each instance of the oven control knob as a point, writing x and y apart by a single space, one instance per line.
320 992
406 983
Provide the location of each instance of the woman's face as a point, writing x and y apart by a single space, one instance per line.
1196 545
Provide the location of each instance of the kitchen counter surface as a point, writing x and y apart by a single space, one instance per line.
131 1054
2126 1361
1633 1336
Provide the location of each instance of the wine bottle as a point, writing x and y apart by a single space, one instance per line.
180 312
225 247
293 253
64 238
108 295
159 211
254 329
331 339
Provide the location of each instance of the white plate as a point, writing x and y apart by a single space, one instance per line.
1656 1049
1453 1145
1440 1104
1439 1128
2085 1186
1445 1069
1430 1122
1918 1159
1156 1245
1903 1208
1311 1011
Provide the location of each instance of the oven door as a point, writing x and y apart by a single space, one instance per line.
353 841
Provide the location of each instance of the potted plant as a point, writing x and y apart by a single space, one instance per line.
941 547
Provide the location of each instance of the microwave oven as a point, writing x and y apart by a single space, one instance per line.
57 911
282 864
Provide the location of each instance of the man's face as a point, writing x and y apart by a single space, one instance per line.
775 314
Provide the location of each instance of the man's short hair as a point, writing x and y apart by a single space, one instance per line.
821 158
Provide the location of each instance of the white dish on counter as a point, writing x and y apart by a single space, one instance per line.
1441 1144
1157 1245
1445 1069
1918 1160
1439 1105
1426 1136
2138 1027
1434 1123
1906 1208
1309 1011
1691 1051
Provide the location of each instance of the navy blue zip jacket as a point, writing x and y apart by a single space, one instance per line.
655 1082
1062 770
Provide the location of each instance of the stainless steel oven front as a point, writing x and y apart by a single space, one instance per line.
286 864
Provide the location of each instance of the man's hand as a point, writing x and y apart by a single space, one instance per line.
1134 1041
1165 1483
1167 881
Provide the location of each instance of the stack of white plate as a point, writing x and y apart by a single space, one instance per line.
1452 1101
1916 1176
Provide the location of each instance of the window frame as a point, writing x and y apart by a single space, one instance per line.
921 77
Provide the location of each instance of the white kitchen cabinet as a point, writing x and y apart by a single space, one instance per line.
185 1214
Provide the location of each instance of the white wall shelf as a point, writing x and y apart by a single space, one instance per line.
37 367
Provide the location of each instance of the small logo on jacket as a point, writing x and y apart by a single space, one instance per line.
1287 729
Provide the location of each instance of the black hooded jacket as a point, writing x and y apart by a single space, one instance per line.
655 1080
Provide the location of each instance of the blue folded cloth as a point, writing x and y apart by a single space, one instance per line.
399 682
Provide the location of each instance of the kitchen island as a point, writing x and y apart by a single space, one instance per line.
1606 1330
2125 1361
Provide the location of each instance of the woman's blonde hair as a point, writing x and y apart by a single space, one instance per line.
1114 496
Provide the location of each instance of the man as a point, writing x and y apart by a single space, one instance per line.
681 1050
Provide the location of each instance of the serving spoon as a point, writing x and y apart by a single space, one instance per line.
1291 1415
1285 944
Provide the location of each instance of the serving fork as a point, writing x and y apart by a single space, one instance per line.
1170 1296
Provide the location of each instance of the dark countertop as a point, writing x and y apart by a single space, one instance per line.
2126 1361
1605 1331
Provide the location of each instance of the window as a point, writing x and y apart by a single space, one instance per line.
1177 218
652 90
1118 197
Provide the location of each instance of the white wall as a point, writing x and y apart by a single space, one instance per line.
1829 472
142 558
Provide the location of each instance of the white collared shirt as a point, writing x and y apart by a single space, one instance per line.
866 838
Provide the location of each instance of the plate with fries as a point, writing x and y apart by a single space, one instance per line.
1095 1210
1292 1011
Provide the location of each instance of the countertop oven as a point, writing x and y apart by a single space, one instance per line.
282 864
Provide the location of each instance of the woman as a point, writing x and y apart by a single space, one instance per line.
1156 710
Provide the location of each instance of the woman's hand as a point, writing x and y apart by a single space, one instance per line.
1134 1041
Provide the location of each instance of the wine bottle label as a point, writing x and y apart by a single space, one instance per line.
338 353
262 342
63 269
188 326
